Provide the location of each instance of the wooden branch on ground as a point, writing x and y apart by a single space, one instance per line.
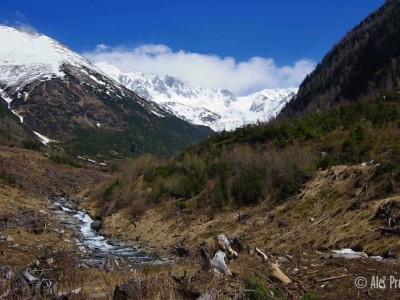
331 278
262 254
281 237
322 219
394 231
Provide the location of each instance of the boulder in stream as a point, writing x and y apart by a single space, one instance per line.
95 225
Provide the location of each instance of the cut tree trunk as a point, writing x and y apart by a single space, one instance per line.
274 268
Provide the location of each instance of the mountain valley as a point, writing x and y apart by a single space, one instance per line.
292 194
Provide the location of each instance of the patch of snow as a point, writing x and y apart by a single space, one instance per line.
9 100
6 98
91 160
43 139
21 118
355 253
368 163
158 114
378 257
97 80
98 124
345 251
350 254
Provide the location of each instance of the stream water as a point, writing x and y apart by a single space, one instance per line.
93 246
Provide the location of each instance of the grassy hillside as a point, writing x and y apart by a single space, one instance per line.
270 163
297 189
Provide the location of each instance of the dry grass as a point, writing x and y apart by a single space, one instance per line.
319 217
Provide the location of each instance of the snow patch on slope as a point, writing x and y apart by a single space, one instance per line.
43 139
9 100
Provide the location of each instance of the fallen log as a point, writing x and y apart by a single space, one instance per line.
278 273
30 278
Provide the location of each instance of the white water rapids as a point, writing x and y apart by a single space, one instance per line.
94 246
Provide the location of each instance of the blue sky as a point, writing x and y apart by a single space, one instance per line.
282 30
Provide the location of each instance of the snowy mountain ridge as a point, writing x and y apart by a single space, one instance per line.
28 56
217 108
31 56
62 98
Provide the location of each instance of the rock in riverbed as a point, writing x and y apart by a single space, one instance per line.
95 225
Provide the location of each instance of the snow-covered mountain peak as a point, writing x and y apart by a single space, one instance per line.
27 56
109 69
217 108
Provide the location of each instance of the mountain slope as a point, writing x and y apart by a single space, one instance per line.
63 97
12 132
219 109
363 64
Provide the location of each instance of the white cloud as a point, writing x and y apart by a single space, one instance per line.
21 23
240 77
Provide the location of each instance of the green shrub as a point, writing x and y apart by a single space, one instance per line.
7 177
310 296
32 145
248 187
109 189
65 161
258 290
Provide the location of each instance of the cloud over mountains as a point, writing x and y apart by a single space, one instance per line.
240 77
